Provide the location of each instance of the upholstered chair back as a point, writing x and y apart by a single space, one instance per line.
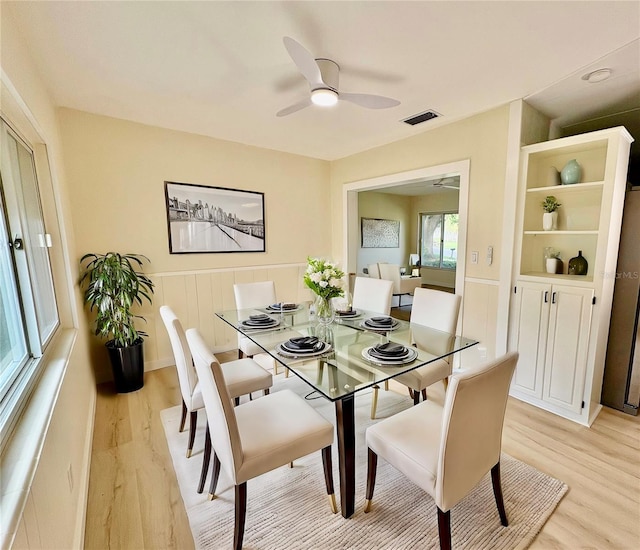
473 416
225 437
436 309
372 295
187 376
250 295
374 271
391 272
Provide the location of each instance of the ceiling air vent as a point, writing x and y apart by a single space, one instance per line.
422 117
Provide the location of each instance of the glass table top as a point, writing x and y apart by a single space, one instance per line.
343 365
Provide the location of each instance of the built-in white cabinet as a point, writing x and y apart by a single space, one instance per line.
552 334
559 322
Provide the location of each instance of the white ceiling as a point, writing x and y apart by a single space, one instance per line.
220 68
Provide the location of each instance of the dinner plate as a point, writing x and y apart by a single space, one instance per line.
300 354
411 356
351 315
372 325
253 324
276 307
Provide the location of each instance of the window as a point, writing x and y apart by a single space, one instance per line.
439 240
28 311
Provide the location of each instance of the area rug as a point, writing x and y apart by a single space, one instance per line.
288 507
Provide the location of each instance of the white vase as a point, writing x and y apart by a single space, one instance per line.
550 221
553 265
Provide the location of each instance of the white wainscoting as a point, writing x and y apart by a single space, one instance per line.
195 296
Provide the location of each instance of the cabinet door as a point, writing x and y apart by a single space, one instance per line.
567 346
529 335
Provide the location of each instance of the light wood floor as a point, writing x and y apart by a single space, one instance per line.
134 501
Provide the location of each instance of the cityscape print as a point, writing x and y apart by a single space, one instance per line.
214 219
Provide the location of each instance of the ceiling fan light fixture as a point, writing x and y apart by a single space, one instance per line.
324 97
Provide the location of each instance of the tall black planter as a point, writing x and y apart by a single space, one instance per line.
127 365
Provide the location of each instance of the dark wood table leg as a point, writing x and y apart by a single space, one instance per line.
346 431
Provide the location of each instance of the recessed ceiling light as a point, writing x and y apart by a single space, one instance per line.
324 97
597 76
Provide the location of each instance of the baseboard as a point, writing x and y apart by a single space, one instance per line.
83 491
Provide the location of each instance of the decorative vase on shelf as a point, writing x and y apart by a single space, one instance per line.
550 221
554 265
578 265
571 173
325 313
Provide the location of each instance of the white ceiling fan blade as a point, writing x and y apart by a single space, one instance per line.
370 101
305 62
295 107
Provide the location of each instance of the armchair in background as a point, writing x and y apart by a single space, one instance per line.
402 285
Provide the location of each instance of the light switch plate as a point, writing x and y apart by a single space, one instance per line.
474 257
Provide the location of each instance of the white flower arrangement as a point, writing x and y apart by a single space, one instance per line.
324 278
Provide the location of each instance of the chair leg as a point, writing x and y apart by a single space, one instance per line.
193 421
241 515
444 529
240 354
372 466
205 459
410 393
497 492
445 381
236 401
214 477
374 402
416 397
328 478
265 391
183 418
424 395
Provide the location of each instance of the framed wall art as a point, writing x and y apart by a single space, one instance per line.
378 233
213 219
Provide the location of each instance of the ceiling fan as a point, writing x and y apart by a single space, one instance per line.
447 183
322 75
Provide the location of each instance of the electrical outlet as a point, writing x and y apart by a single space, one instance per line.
474 257
70 477
490 255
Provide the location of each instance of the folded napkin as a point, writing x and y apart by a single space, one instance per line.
381 321
345 311
390 349
283 305
303 343
260 317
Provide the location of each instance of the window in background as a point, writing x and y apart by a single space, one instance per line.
28 311
439 240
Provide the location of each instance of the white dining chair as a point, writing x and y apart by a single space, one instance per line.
373 295
249 296
259 436
244 376
447 450
438 310
402 285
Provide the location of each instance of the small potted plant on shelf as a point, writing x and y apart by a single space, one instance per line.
550 206
554 263
114 284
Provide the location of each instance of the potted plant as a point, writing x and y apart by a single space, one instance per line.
550 206
554 263
114 284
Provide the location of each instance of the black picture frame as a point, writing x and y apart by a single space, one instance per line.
219 220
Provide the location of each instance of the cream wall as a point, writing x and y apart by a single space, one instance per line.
372 204
39 505
116 172
482 139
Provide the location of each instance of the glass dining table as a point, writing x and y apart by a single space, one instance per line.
341 364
